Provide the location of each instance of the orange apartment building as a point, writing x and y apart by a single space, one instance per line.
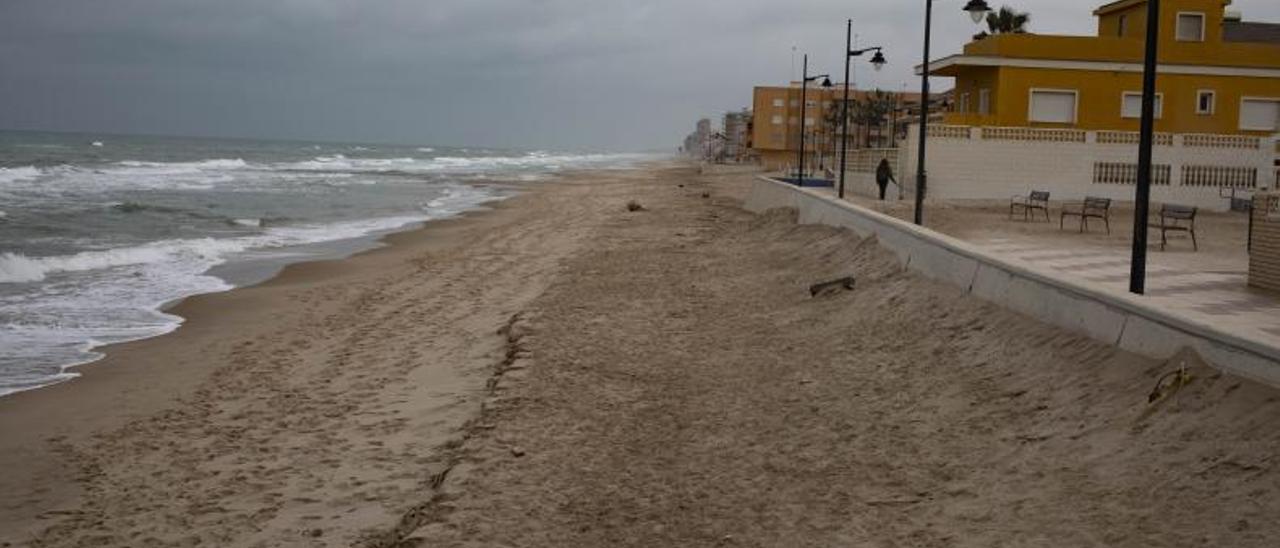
776 126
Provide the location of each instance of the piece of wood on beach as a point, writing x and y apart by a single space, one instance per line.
845 283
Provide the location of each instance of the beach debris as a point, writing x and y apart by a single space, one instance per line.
706 194
517 451
438 478
823 288
633 205
1169 384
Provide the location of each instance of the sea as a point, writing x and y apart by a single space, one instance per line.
100 233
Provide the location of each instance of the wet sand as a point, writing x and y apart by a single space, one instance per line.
301 410
562 372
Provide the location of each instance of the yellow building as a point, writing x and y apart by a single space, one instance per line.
1217 74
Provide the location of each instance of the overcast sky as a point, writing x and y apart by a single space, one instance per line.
565 74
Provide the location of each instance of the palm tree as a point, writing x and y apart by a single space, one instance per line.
1005 21
871 111
831 122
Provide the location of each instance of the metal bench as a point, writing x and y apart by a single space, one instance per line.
1091 208
1037 199
1176 218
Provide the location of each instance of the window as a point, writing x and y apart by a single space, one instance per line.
1053 106
1260 114
779 102
984 102
963 105
810 103
795 102
1190 27
777 120
1132 105
808 121
794 120
1123 26
1205 101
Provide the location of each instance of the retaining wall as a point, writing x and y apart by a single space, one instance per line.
1102 314
996 163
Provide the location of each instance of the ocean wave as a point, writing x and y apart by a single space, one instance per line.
15 268
135 207
197 254
217 164
126 175
15 174
452 164
18 268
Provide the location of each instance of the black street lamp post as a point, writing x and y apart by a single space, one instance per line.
977 9
1142 197
804 84
878 62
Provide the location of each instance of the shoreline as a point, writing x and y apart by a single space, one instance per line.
135 379
251 272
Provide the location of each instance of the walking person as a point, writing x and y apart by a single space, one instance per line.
884 174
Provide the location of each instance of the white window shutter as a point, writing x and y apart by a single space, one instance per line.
1190 27
1133 106
1260 115
1053 106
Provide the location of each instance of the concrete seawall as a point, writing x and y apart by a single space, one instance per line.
1100 313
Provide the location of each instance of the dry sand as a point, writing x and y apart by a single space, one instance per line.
561 372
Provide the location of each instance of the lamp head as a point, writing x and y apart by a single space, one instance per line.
826 82
878 61
977 9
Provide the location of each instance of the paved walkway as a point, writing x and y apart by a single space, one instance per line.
1218 298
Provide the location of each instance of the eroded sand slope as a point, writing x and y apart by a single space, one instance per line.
683 389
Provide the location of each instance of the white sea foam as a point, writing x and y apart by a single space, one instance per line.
16 268
88 299
14 174
456 164
218 164
125 175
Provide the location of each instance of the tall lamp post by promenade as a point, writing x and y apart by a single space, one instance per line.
804 84
1142 195
878 62
977 9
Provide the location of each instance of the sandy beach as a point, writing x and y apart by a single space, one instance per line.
560 371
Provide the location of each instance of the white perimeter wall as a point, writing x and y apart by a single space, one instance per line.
967 163
1110 317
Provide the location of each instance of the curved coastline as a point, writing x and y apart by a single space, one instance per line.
250 271
139 378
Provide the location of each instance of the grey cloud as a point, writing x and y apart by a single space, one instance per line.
599 74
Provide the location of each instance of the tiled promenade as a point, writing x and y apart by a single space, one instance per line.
1220 298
